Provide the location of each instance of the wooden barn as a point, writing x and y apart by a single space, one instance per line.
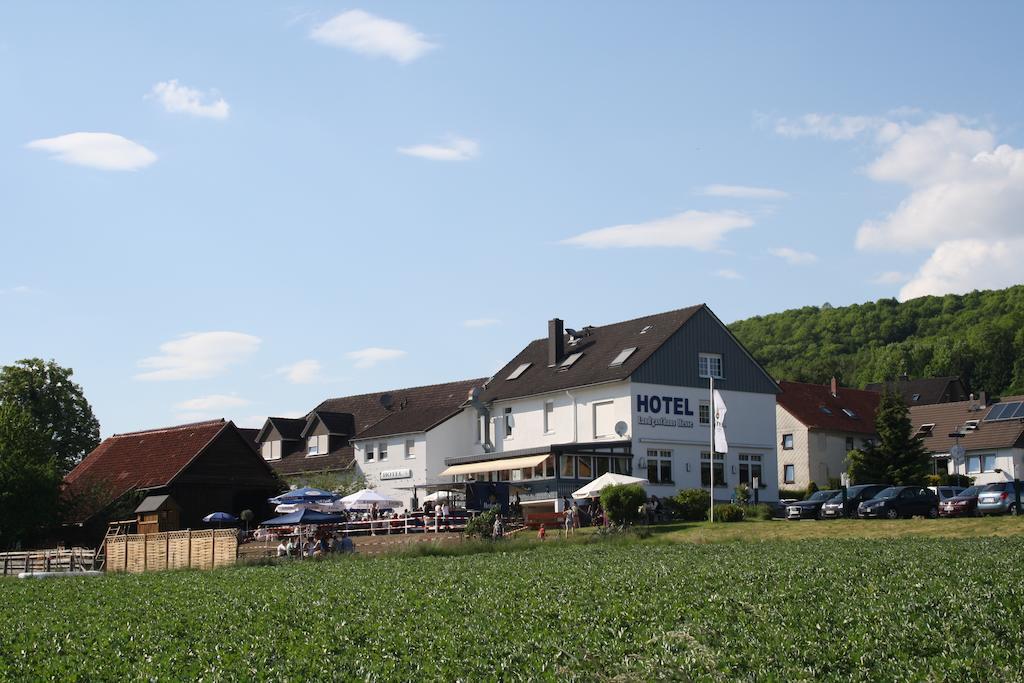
169 479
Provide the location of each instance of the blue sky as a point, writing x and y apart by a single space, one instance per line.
240 209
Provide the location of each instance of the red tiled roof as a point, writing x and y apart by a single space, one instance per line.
139 460
805 402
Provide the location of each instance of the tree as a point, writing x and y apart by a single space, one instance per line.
29 477
622 502
899 458
56 404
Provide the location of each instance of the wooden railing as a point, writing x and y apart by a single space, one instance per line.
55 560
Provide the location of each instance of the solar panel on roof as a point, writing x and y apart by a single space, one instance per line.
1005 411
1020 411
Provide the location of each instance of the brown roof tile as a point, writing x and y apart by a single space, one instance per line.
950 418
806 402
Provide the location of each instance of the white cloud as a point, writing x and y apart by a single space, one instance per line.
960 266
198 355
367 358
20 289
828 126
701 230
302 372
104 151
213 402
728 274
742 192
481 322
373 36
792 256
891 277
454 148
177 98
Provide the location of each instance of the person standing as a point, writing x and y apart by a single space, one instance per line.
570 522
446 512
499 528
541 532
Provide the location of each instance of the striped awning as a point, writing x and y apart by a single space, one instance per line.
496 465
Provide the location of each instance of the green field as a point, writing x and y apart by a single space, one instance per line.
879 609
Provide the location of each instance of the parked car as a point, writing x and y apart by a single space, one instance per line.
855 495
809 508
946 492
901 501
998 499
963 504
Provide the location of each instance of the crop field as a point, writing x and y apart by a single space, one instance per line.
871 610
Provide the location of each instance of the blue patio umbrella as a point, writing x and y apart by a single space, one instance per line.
306 494
303 516
220 517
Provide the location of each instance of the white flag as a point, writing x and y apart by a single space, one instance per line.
721 445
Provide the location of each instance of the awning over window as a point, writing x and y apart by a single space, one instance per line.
495 465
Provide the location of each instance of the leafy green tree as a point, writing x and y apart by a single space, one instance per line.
899 457
56 404
622 502
29 477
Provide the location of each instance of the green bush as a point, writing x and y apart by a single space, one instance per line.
798 494
691 505
812 488
482 526
759 511
622 502
728 513
742 494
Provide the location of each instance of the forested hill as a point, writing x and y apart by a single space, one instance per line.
978 337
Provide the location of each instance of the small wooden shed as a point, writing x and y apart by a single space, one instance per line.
158 513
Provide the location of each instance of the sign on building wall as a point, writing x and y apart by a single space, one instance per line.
395 474
654 410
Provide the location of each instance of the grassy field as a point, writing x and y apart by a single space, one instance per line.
860 609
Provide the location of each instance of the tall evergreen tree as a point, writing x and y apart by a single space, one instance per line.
899 457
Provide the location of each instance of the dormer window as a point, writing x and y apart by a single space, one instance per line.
519 371
271 450
926 429
971 425
316 445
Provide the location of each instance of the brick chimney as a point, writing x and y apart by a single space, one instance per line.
835 388
556 342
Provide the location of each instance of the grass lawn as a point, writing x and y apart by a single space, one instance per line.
757 531
871 609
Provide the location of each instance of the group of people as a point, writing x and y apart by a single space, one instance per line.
441 513
320 544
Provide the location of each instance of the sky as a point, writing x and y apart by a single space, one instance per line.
240 209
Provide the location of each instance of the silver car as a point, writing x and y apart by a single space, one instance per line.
998 499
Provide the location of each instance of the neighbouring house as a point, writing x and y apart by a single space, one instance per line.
631 397
816 426
973 438
322 446
925 391
171 477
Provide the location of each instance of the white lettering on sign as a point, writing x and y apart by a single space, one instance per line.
395 474
664 422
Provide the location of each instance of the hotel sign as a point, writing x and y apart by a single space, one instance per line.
664 411
395 474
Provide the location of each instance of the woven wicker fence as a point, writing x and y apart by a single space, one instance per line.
137 553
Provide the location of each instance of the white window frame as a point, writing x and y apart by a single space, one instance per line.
790 468
368 455
382 451
410 449
705 365
704 412
317 445
611 427
549 417
792 442
271 450
659 456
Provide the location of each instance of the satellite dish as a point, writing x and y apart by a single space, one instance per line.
387 400
621 428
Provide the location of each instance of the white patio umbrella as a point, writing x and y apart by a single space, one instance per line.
362 500
438 495
594 488
325 506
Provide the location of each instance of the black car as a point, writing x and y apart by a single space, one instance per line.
901 501
855 495
810 508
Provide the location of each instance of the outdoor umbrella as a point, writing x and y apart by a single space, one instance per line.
303 516
328 507
594 488
220 517
306 494
364 499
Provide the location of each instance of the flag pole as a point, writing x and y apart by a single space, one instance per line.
711 428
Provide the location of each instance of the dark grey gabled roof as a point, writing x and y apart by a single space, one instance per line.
927 390
599 347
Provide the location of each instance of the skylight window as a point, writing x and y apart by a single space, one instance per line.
850 413
568 362
646 328
926 429
915 397
622 357
971 425
519 371
825 409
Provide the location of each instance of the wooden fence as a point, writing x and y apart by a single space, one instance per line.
55 560
135 553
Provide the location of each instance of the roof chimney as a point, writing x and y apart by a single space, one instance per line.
982 398
835 388
556 342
